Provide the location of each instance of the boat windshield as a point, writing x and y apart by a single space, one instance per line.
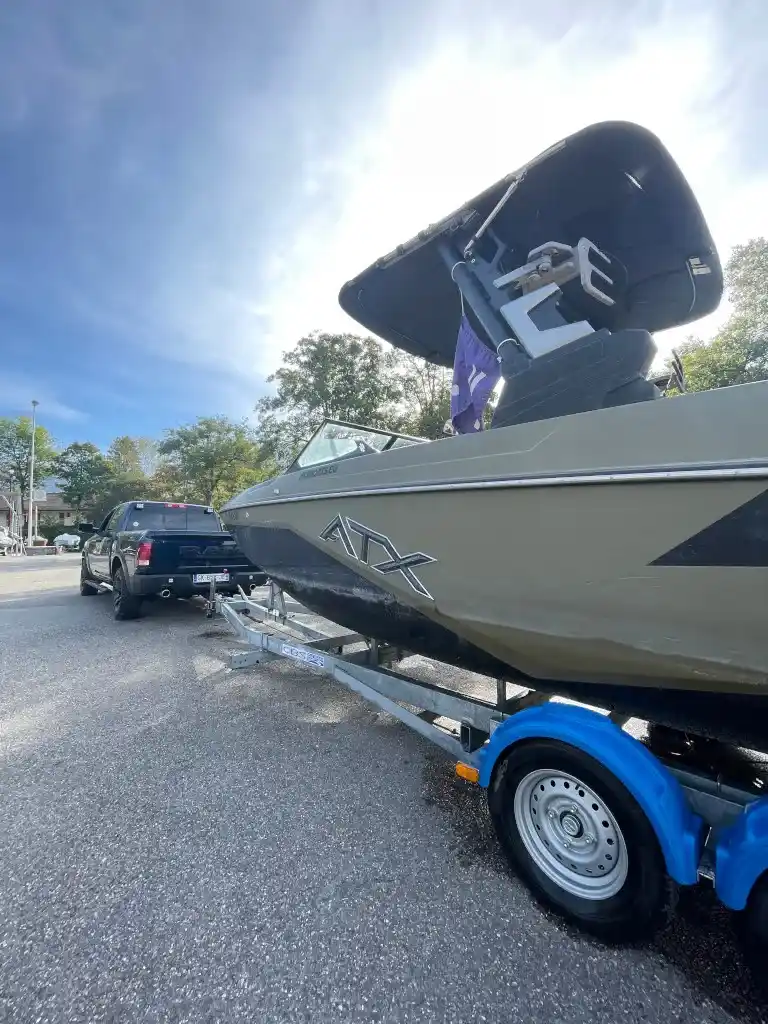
336 440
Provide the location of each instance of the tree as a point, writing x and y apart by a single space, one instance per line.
168 484
49 526
115 491
146 449
746 276
337 376
83 473
426 397
738 354
15 448
123 456
211 459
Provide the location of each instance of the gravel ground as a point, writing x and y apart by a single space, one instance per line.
183 843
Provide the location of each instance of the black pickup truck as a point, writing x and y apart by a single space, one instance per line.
145 549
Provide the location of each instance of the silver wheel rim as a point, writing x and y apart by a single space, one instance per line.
570 834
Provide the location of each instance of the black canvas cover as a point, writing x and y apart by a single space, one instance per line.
614 183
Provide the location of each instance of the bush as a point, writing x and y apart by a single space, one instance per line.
49 528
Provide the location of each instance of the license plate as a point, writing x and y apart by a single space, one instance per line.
211 577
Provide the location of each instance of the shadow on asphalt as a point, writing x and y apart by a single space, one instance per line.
166 611
38 598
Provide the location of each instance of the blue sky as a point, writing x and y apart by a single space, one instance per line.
184 184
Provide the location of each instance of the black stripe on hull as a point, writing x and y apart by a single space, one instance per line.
330 588
336 592
738 539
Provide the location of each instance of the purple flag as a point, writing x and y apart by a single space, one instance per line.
475 373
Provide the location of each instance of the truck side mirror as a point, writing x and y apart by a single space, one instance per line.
86 528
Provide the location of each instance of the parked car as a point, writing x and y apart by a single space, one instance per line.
70 541
167 549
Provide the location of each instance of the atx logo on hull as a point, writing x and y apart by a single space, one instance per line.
341 529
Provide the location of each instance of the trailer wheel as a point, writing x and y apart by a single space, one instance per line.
86 590
753 931
580 841
126 605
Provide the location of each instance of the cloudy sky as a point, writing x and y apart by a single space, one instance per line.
184 184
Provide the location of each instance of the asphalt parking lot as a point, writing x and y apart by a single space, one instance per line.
183 843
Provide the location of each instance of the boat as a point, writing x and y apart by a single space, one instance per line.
604 539
70 541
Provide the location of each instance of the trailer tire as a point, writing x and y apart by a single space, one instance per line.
126 605
581 842
753 932
86 590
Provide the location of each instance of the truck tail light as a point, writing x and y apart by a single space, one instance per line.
144 552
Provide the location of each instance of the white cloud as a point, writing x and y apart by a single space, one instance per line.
17 392
235 275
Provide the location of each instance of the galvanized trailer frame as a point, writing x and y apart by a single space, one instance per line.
365 671
706 826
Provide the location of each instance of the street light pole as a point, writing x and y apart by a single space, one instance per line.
31 473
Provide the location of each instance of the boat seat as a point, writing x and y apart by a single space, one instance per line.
597 371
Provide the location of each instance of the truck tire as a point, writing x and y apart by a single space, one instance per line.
580 841
86 590
126 605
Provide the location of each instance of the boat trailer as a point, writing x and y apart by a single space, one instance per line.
707 825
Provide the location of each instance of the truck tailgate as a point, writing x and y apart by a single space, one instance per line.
194 552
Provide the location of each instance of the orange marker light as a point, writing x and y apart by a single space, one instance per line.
468 772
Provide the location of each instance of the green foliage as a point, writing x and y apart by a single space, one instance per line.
146 449
425 399
15 448
123 456
115 491
49 526
135 457
168 484
134 473
337 376
83 474
210 460
738 354
746 277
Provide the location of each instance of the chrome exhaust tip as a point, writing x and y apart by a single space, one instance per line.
165 593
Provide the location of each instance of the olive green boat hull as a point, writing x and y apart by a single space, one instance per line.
625 546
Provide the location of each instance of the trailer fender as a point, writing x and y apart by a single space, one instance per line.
741 855
679 831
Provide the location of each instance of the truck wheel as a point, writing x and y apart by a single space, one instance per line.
580 841
126 605
86 590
